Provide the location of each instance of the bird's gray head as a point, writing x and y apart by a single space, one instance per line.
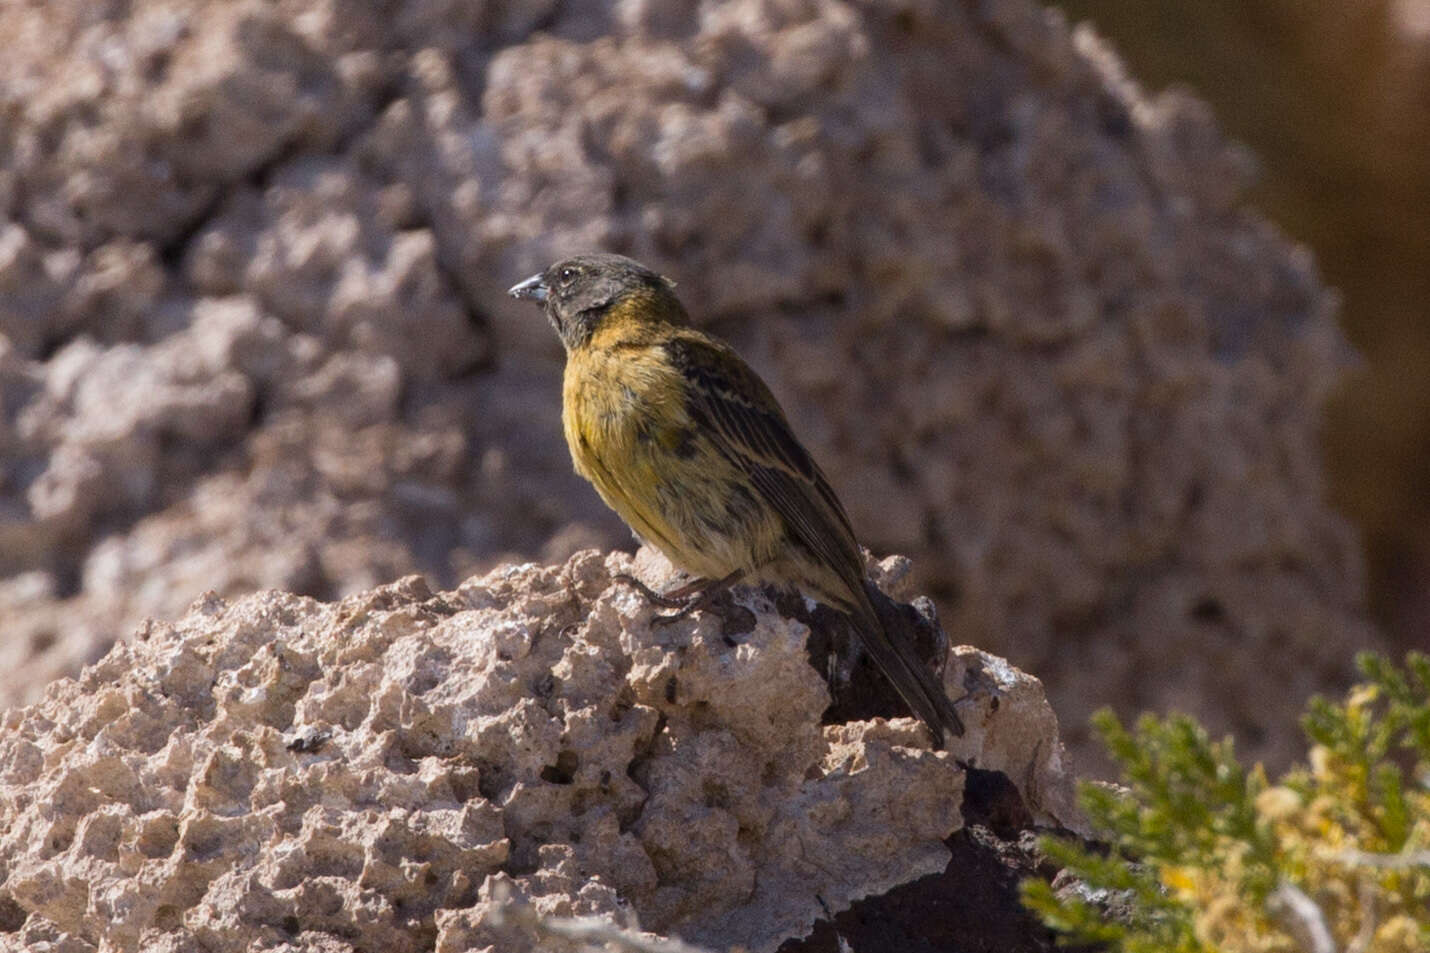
580 293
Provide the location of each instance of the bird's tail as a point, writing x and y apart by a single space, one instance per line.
895 656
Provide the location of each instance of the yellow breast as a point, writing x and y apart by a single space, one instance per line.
624 413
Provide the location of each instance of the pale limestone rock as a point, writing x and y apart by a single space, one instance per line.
280 773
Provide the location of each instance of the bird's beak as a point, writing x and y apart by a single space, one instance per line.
533 288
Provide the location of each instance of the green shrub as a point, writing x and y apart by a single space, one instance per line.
1205 855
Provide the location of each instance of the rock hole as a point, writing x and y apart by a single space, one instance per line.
639 768
203 838
991 799
426 680
625 701
291 926
41 641
736 621
545 686
60 841
48 346
1113 118
12 915
159 837
466 783
194 127
716 794
703 716
491 782
399 763
1208 611
563 771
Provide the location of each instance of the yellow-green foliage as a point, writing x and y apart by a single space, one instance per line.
1208 856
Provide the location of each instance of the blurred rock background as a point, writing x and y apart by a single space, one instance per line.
253 329
1334 98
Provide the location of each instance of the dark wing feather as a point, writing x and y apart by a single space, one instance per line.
735 409
730 403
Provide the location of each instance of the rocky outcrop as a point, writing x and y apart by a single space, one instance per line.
253 330
392 771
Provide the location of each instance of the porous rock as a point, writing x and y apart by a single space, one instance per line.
254 332
374 774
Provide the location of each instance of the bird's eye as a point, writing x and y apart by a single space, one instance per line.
568 275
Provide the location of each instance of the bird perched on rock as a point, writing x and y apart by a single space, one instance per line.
686 443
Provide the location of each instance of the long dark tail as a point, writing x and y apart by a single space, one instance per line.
895 656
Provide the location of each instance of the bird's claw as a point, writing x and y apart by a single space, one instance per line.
683 613
651 596
686 600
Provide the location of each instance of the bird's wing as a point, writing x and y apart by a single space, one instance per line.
735 409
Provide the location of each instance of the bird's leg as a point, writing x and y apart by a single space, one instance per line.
697 595
697 587
672 601
686 599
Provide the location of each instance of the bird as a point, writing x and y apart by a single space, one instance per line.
688 445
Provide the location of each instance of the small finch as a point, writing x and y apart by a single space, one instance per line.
686 443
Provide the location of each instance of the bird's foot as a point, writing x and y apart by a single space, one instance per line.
672 601
687 599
